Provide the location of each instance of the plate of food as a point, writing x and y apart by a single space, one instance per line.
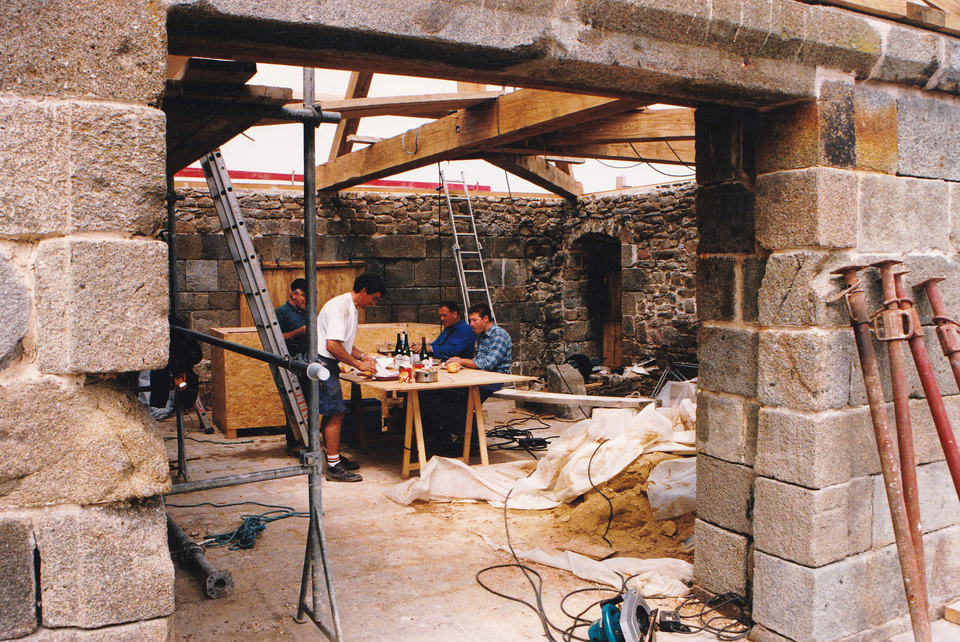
386 377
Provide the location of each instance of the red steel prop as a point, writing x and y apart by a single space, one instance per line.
892 326
950 343
860 320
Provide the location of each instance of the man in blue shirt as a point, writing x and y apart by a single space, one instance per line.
292 318
456 339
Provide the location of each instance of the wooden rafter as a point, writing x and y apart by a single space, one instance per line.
510 118
539 172
358 87
664 152
647 125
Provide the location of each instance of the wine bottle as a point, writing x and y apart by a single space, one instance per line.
424 355
399 347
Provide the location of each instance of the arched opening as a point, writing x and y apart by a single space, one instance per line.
601 260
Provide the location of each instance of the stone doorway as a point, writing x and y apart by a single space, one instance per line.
601 256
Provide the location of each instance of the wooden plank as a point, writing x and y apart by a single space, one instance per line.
539 172
512 117
332 279
421 106
358 87
646 125
573 400
951 613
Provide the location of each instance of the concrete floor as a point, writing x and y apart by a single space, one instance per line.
399 573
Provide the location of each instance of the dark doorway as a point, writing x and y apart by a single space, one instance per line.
604 297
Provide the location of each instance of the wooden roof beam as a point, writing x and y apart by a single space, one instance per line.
358 87
539 172
647 125
510 118
679 152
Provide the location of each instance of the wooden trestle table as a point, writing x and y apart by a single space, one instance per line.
464 378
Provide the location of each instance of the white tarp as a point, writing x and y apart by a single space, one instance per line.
660 576
613 438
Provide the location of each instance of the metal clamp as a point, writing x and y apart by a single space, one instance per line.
311 458
891 325
948 332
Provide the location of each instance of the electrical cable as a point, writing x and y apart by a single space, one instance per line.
250 526
610 503
211 441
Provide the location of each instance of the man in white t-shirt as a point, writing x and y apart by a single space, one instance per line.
336 330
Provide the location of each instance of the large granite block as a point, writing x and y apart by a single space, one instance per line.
14 310
929 137
58 48
96 445
722 560
725 494
101 305
726 427
939 506
812 527
805 369
18 599
807 207
728 360
900 214
716 288
80 167
156 630
725 219
815 450
104 565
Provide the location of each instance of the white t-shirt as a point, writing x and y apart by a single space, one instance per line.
337 320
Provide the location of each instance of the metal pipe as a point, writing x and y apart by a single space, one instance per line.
172 199
315 559
860 321
237 480
893 331
218 583
315 370
946 332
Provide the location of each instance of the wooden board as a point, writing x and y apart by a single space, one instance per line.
573 400
333 278
951 613
244 394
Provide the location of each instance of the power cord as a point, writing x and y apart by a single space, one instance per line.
250 526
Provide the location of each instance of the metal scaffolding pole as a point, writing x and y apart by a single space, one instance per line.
315 557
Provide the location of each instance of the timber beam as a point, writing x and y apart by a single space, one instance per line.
538 171
509 118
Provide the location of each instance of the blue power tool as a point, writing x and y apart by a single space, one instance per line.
625 618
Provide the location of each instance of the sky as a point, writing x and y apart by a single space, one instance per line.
279 148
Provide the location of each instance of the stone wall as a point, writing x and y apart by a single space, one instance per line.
536 253
792 509
83 296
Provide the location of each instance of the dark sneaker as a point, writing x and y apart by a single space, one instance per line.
347 464
339 474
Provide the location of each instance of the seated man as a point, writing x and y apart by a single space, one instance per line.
493 353
494 347
455 340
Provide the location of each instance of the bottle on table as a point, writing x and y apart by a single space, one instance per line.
424 355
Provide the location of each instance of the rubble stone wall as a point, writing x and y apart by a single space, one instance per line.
83 297
535 258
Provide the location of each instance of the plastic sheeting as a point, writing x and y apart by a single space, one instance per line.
606 443
660 576
672 488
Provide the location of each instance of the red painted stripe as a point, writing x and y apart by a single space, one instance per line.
244 175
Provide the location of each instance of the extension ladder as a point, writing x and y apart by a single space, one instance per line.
467 249
254 288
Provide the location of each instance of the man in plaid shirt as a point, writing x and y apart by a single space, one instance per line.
494 347
494 351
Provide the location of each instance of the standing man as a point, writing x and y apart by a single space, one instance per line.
292 319
336 331
455 340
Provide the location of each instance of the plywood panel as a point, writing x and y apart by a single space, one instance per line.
244 394
333 278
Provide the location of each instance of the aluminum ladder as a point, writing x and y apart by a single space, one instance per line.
254 288
467 249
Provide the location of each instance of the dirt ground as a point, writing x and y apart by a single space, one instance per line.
399 572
